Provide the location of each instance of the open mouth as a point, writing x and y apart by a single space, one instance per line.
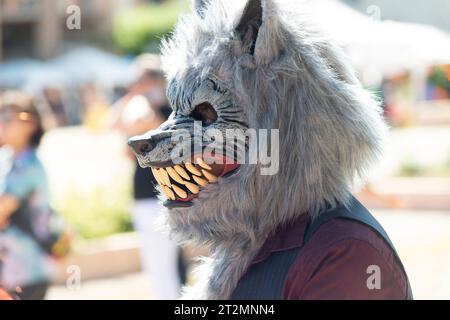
181 183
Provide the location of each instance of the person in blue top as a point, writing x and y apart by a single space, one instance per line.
26 266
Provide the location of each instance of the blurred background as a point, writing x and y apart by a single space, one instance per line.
80 69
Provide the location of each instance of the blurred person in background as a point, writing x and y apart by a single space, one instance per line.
3 294
53 96
27 232
142 109
95 107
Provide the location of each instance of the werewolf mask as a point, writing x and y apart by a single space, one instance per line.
256 65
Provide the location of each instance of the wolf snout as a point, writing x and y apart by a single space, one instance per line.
141 145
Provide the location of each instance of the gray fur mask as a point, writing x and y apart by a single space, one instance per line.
259 65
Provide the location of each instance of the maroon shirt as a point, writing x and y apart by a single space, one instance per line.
334 263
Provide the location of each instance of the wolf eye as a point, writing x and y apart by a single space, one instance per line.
205 113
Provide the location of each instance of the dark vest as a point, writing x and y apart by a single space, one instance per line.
265 280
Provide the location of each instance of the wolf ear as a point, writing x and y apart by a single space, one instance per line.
258 30
248 26
200 6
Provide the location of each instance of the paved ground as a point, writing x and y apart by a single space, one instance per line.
128 287
422 239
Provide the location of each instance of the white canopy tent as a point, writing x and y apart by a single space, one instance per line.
373 44
79 66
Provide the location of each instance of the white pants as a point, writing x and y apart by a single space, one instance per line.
159 254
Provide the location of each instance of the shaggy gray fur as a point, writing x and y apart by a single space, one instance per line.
270 69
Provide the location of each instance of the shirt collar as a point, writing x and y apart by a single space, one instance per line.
285 237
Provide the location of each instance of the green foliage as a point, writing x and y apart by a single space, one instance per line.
410 168
141 29
97 213
439 78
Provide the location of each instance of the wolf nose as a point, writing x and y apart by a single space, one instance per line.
141 146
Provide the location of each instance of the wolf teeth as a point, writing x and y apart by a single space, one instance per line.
201 177
192 187
209 176
168 192
193 169
203 164
182 172
164 177
174 175
200 181
180 192
156 175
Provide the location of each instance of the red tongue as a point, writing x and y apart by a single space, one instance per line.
185 200
228 164
227 167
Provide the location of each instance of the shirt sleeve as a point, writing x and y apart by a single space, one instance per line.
21 183
348 270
